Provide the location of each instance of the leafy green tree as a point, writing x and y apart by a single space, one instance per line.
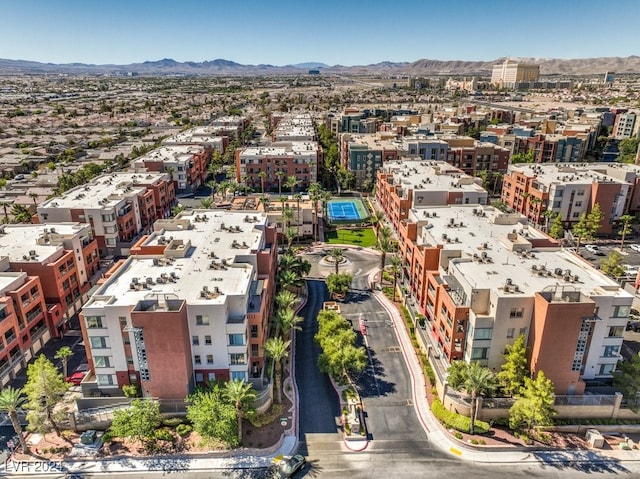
212 416
594 220
339 284
10 402
627 379
139 421
522 157
581 230
64 353
625 223
45 388
557 228
514 369
534 409
340 356
457 374
628 149
613 265
241 394
277 349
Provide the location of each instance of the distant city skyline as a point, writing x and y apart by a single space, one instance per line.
284 32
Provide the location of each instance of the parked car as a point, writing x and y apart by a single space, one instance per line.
635 247
76 378
289 466
630 270
591 248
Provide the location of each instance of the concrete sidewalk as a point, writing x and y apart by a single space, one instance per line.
441 439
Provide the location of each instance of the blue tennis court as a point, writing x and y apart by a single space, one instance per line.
345 210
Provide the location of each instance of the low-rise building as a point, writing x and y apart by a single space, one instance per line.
119 207
191 305
186 165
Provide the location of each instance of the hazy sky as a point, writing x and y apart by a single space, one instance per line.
281 32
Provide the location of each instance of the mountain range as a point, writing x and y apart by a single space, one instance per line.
168 66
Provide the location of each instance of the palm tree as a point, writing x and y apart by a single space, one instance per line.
385 244
213 185
479 381
626 228
376 219
277 349
265 203
396 270
326 196
171 170
206 203
338 255
279 175
290 234
286 299
242 395
291 182
10 401
315 192
245 180
288 278
5 205
64 353
34 197
287 216
262 175
298 198
21 213
286 320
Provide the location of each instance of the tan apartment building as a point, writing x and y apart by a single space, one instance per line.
190 305
119 207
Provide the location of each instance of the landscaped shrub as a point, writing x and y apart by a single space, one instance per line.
107 437
183 430
458 435
172 421
263 419
452 420
164 435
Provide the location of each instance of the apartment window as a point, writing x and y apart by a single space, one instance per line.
578 204
483 333
105 379
238 375
209 358
199 378
98 342
207 340
123 321
606 369
236 339
101 361
611 351
575 214
616 331
237 358
195 340
202 320
523 331
255 350
197 359
94 322
211 377
107 218
516 313
511 332
621 311
479 353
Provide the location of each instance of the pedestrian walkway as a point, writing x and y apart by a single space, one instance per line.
441 439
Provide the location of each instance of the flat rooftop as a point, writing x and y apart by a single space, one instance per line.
567 174
203 248
283 148
431 176
18 242
112 188
496 247
8 280
171 153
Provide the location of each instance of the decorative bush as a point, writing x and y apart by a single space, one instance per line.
183 430
164 435
452 420
458 435
263 419
172 421
107 437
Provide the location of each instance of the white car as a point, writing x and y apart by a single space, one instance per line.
635 247
591 248
630 270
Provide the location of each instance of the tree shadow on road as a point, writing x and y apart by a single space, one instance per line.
583 461
370 381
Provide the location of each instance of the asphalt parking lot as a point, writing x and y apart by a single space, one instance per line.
630 256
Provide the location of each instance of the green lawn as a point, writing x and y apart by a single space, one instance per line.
361 237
